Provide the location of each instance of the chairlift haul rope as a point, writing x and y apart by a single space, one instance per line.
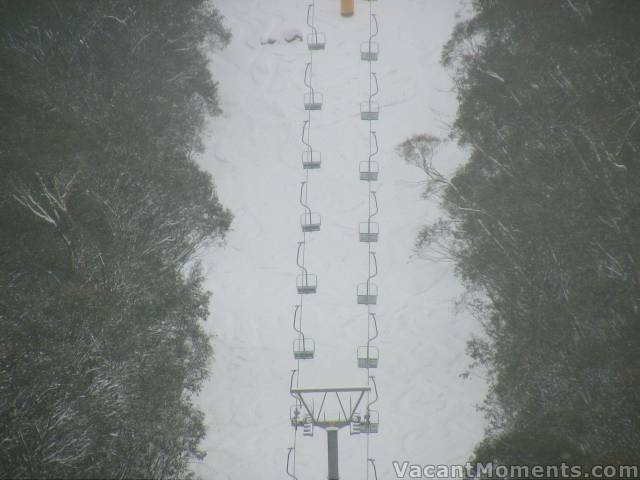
306 283
369 233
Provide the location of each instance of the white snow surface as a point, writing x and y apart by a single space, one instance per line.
428 413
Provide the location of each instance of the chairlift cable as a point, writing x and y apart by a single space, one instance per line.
373 141
304 347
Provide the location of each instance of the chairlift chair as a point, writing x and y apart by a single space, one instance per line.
369 170
363 424
370 422
313 100
368 357
367 294
311 160
307 283
310 222
316 41
369 110
369 51
369 232
304 348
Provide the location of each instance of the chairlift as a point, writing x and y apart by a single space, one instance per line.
369 51
369 170
312 99
311 159
305 282
369 110
367 294
370 422
368 357
315 40
309 221
304 348
369 232
367 423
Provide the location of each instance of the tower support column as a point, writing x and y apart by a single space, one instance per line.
332 449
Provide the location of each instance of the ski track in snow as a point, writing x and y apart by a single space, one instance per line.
253 150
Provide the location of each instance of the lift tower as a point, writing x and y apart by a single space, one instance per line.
344 417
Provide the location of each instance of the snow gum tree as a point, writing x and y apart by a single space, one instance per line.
543 223
102 214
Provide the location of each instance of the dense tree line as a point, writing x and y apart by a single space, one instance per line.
102 214
543 223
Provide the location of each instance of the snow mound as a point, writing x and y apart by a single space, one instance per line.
288 36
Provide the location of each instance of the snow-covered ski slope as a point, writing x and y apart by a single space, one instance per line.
427 412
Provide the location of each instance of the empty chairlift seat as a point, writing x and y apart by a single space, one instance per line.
316 41
369 171
311 160
369 51
367 294
310 222
313 101
369 110
369 232
307 283
368 357
304 348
